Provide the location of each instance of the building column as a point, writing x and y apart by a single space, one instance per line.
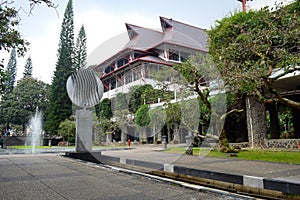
296 122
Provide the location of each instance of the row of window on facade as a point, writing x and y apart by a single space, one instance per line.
145 70
172 55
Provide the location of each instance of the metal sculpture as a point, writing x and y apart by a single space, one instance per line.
84 88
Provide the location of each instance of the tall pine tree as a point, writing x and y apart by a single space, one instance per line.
28 68
60 106
11 72
80 50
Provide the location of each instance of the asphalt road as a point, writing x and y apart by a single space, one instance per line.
50 176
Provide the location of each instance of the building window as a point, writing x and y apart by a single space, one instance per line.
174 55
137 73
112 83
108 69
121 62
137 55
128 77
120 80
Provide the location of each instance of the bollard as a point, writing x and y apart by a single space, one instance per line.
189 146
128 143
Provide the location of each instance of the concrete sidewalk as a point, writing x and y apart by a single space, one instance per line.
256 177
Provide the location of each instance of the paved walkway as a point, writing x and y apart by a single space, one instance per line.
48 176
232 165
281 177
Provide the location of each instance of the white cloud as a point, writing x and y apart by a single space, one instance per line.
100 27
106 33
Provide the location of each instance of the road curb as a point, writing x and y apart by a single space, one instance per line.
260 186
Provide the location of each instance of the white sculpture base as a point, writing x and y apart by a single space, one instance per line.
83 131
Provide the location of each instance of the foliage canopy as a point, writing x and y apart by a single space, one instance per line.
249 47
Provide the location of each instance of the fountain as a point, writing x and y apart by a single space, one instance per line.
36 128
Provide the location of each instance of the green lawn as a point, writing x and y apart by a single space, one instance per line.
28 147
269 155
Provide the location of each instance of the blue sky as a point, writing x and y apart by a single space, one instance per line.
105 19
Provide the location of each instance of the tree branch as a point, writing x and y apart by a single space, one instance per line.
232 111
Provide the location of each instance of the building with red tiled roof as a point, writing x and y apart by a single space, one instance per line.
146 51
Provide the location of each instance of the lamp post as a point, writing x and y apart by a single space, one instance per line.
244 4
164 142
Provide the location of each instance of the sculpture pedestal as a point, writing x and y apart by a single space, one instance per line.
83 131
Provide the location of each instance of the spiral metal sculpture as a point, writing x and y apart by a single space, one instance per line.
84 88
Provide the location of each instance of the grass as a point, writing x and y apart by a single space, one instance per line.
269 155
45 147
28 147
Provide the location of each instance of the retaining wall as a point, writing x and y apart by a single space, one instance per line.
283 143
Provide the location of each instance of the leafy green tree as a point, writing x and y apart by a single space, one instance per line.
28 68
121 102
11 72
103 109
80 50
252 51
3 78
151 95
10 37
60 106
142 120
67 129
142 117
7 104
104 115
198 71
248 47
21 104
173 120
135 95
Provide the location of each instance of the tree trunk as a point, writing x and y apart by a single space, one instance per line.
7 126
108 138
158 137
200 128
223 142
256 121
176 138
123 137
169 135
143 135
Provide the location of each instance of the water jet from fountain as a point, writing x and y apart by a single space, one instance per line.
36 129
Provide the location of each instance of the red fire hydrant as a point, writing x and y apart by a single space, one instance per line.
128 143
